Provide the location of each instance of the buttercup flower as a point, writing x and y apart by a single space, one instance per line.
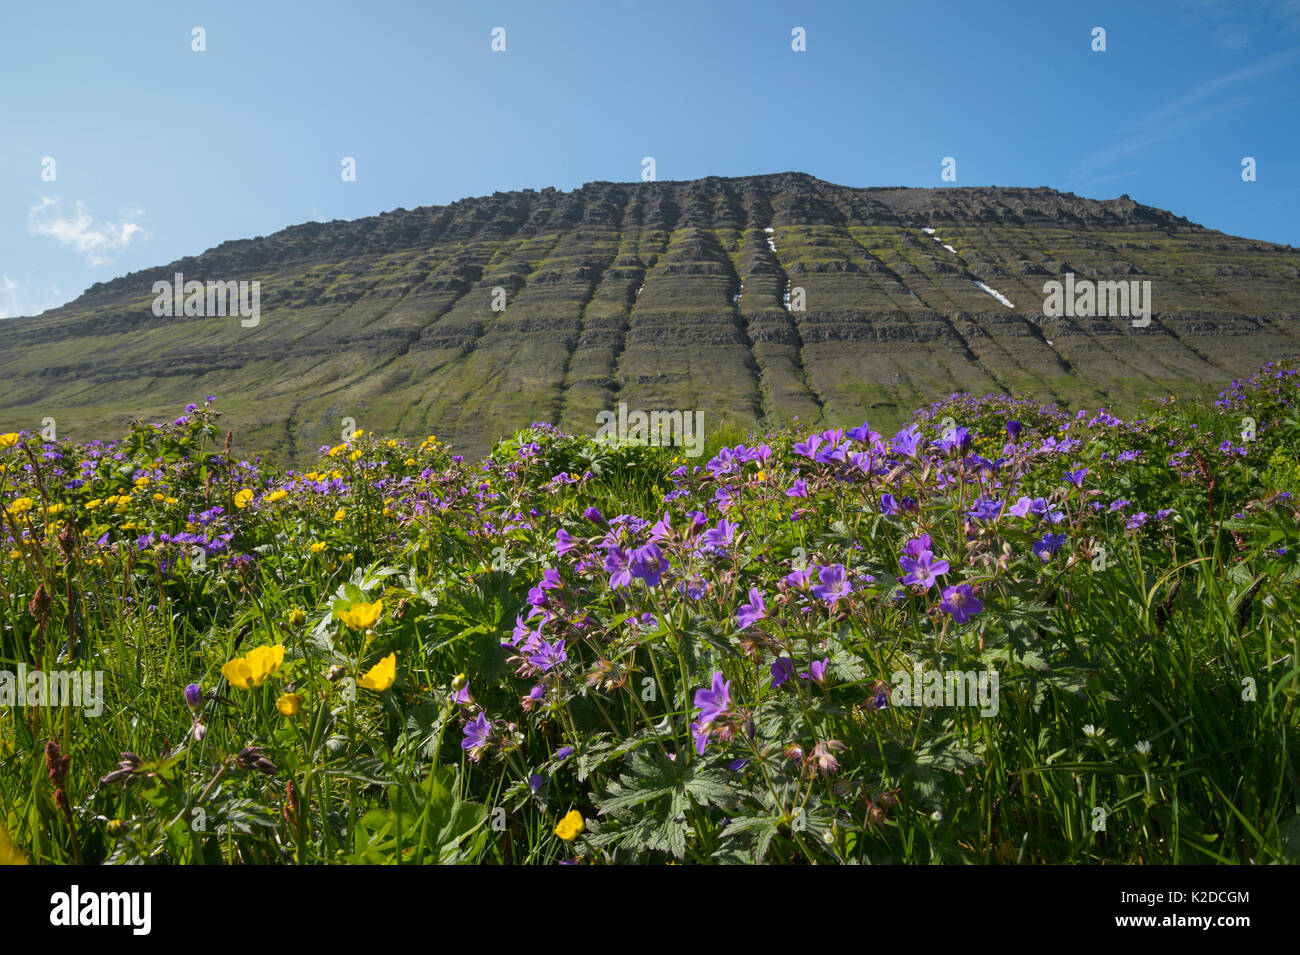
569 827
362 616
380 676
252 670
289 703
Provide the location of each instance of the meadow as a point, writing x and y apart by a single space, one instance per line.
1004 634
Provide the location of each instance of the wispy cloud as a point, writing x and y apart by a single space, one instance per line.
1202 102
98 242
1233 23
14 303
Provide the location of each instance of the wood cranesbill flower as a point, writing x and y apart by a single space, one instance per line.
476 732
924 569
961 602
834 583
714 701
753 611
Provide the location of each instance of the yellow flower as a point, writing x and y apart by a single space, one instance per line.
252 670
354 455
297 617
277 495
242 497
317 547
289 703
570 826
362 616
53 509
171 500
409 461
380 676
340 514
8 440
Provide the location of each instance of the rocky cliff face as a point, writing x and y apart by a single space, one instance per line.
752 299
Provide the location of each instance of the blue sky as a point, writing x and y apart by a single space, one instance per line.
162 152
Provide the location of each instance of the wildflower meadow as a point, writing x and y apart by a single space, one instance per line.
1004 634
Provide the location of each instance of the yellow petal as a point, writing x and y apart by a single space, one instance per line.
381 676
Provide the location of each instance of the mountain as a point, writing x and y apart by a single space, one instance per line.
661 295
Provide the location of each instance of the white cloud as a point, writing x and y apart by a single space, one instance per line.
97 242
8 297
13 304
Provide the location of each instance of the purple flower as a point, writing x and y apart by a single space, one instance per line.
918 546
564 542
194 697
713 702
889 505
753 611
782 669
985 509
719 536
563 753
1013 429
535 783
798 489
961 602
701 735
818 672
834 583
907 442
551 579
1137 520
924 570
594 516
476 732
1076 477
620 575
648 564
1049 545
807 449
548 655
797 579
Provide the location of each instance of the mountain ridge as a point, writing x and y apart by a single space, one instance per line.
674 294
